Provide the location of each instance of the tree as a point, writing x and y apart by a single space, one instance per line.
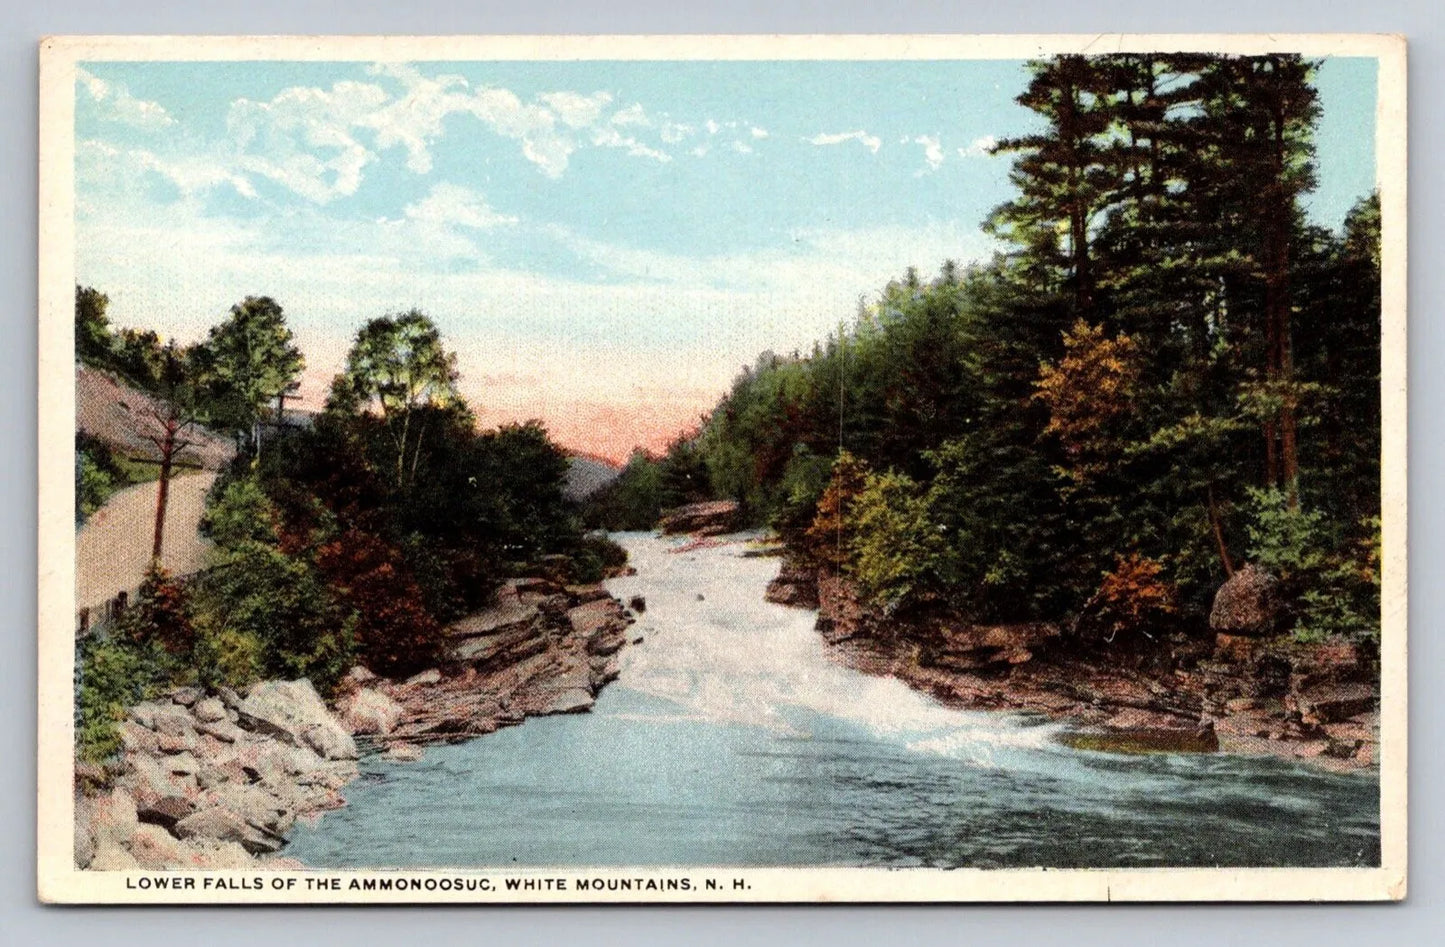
246 362
398 365
92 329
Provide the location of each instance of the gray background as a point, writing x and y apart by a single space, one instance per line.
22 921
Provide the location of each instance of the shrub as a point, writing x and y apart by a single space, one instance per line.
595 558
269 614
827 538
1132 599
114 673
160 614
891 540
1331 586
239 513
394 633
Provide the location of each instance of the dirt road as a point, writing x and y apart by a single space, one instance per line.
113 549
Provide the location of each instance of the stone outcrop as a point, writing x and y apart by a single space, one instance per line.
713 518
541 648
292 711
1246 692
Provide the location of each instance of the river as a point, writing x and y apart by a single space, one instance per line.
732 738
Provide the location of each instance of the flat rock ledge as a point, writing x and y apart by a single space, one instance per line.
213 781
541 649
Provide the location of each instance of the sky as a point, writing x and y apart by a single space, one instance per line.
604 244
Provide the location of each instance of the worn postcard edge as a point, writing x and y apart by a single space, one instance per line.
59 881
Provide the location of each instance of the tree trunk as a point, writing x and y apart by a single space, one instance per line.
168 447
1217 525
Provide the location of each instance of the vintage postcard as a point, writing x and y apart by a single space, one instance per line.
722 469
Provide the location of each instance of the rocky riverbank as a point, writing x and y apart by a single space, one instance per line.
216 781
1242 690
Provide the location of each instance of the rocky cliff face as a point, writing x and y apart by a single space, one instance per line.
216 781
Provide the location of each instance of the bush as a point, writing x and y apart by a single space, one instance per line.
1331 586
228 656
114 673
891 541
268 614
394 633
1131 600
827 537
595 558
239 512
160 614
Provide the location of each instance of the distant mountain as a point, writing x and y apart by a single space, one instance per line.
586 474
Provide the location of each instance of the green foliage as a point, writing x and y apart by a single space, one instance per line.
114 673
595 558
268 612
633 501
1331 585
1287 542
892 541
245 362
238 512
160 614
92 328
398 365
149 648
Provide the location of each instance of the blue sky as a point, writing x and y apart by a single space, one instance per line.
603 243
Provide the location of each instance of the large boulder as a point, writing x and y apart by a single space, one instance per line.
370 711
222 825
704 519
1247 604
113 819
155 849
292 711
84 847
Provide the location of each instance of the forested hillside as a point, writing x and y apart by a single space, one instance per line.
1168 373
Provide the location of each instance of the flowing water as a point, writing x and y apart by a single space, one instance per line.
732 738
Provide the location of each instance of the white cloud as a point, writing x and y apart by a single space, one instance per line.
576 111
742 148
868 141
304 138
673 132
118 105
757 132
932 151
104 169
980 147
712 127
608 137
633 114
454 204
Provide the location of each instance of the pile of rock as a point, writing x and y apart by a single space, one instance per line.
215 781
